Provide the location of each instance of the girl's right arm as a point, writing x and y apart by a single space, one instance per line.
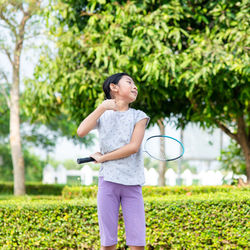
90 121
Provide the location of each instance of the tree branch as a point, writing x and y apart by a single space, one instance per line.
2 89
7 52
9 24
4 26
19 42
227 131
84 13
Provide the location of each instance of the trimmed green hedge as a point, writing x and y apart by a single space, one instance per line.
207 221
33 188
91 191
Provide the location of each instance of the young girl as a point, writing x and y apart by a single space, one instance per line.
121 131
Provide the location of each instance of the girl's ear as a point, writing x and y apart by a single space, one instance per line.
113 87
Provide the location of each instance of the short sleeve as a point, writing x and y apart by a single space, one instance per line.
97 123
140 115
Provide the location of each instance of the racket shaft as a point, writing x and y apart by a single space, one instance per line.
84 160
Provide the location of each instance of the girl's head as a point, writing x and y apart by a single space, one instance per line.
122 84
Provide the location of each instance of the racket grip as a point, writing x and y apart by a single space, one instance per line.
84 160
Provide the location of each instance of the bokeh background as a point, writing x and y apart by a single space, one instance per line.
190 60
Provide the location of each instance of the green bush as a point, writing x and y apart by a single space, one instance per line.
205 221
88 192
33 188
79 192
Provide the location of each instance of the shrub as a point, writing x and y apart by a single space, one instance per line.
205 221
33 188
88 192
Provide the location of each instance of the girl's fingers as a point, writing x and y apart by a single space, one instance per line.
96 156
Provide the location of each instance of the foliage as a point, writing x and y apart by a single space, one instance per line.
232 158
188 57
91 191
18 21
86 57
28 37
214 221
160 45
33 188
150 163
6 168
217 66
71 164
31 134
4 118
34 165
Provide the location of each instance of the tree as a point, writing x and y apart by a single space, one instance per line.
183 54
17 18
217 73
95 60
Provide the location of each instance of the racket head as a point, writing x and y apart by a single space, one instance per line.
164 148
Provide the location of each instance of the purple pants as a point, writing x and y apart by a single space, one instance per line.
110 196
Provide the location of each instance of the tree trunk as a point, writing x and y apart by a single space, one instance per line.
246 152
245 144
15 137
242 139
162 165
179 181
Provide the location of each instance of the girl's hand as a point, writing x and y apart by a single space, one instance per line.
109 104
97 156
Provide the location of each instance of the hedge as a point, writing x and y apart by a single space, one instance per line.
33 188
217 221
91 191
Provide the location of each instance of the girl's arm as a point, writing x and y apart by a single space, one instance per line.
90 121
127 150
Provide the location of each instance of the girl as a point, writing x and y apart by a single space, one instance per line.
121 131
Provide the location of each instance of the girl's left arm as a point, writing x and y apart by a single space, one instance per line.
131 148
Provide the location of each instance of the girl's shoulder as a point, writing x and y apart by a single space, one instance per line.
139 115
137 111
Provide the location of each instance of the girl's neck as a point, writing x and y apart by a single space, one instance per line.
121 105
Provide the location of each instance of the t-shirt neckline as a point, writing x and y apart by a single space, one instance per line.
120 112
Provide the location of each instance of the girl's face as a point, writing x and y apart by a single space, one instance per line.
126 89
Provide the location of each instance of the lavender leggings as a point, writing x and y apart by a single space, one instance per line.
110 196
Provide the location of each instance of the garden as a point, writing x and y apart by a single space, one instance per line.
193 217
189 60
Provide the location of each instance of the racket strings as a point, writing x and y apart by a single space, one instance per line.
162 151
164 148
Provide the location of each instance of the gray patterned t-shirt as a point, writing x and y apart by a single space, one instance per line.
115 130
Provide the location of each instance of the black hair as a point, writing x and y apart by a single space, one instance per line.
112 79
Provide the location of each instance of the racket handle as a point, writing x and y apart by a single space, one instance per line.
84 160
